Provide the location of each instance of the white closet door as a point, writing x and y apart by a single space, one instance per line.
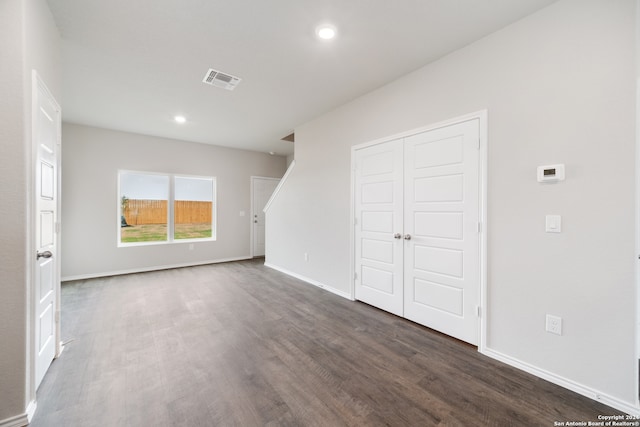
442 255
378 217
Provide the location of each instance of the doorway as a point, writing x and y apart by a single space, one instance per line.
418 205
46 136
261 190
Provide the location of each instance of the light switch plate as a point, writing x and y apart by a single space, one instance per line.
553 224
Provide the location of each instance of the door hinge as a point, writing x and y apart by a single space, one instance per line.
479 227
57 317
355 221
478 143
478 313
355 276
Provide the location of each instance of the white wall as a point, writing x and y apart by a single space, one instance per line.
28 39
638 174
12 213
559 87
90 163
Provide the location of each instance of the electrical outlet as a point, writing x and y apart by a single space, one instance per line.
554 324
306 257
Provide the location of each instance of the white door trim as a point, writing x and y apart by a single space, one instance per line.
38 84
252 210
482 117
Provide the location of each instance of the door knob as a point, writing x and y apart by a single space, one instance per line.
397 236
407 237
45 254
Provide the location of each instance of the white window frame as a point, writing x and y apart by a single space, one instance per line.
170 210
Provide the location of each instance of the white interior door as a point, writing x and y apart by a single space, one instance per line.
46 134
261 189
378 226
442 257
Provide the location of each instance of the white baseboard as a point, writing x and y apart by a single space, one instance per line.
17 421
564 382
310 281
154 268
22 419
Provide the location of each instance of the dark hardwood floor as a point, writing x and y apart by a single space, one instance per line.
240 344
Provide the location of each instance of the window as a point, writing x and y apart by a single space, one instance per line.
193 208
161 208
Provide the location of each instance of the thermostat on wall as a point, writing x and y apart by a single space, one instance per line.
551 173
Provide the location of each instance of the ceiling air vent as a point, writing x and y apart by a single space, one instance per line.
219 79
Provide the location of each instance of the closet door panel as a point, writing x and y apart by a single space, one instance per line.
378 219
441 250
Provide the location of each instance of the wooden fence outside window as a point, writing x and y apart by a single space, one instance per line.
142 212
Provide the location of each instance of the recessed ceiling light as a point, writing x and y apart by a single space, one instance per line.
326 31
180 119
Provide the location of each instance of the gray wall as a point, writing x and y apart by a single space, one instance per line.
559 87
28 39
90 163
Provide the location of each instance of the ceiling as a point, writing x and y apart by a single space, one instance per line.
134 65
